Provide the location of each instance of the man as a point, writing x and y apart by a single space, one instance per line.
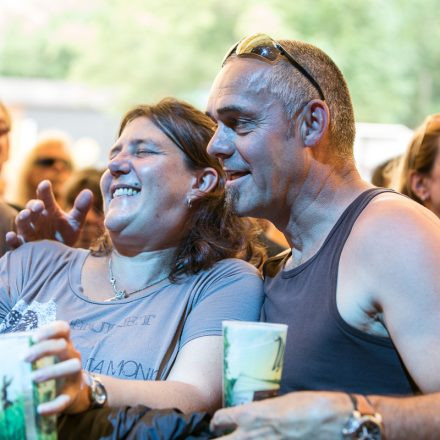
359 289
7 214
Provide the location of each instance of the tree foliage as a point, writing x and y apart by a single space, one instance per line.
144 49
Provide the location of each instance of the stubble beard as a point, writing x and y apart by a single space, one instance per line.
231 199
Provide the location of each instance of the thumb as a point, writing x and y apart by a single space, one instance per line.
224 418
81 206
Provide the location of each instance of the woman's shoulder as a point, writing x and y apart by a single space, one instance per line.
45 250
235 266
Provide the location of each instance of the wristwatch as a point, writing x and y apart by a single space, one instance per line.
97 391
364 423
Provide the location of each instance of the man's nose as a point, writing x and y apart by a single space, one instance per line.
220 146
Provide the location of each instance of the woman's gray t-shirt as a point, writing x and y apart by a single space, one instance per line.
132 338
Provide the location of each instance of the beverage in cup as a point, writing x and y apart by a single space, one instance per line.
20 396
253 354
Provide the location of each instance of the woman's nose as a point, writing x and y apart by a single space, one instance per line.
119 165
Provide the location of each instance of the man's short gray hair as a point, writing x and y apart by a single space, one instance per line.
293 89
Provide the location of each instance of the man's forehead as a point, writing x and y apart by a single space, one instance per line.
236 81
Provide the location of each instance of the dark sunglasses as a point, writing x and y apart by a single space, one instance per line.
263 46
47 162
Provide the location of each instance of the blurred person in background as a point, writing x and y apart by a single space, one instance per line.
419 174
7 213
383 174
146 306
51 160
87 178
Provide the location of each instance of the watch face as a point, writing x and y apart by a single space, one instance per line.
368 430
99 394
362 427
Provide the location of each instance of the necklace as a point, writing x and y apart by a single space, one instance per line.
122 293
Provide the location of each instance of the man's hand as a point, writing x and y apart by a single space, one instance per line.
44 219
299 415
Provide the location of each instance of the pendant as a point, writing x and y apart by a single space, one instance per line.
120 294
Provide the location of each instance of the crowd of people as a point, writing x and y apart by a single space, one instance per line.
136 319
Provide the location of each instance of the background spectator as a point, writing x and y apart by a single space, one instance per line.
50 159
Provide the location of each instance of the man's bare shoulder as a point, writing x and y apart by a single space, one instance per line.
396 241
393 220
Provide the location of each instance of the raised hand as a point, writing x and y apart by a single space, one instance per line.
43 218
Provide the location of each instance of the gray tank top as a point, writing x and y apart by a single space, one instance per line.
324 352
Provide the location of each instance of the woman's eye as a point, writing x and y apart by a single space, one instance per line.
144 151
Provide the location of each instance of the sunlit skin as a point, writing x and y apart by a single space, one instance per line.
146 160
251 142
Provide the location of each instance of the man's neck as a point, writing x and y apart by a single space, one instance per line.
316 208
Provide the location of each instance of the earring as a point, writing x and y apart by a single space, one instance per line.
189 202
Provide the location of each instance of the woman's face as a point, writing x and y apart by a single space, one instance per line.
145 188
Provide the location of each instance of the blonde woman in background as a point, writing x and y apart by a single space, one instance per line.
50 159
419 175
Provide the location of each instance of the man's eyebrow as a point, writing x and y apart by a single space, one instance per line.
231 109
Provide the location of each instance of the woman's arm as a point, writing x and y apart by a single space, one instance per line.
194 383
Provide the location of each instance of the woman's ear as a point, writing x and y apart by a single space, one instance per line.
315 122
420 185
205 180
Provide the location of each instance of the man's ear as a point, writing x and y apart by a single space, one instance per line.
205 180
315 122
420 185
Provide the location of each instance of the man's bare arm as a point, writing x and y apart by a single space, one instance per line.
408 418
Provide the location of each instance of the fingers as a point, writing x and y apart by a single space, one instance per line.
55 406
57 371
29 220
56 329
81 206
13 240
266 432
45 194
225 419
49 347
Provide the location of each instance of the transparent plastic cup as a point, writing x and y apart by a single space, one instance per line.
20 396
253 355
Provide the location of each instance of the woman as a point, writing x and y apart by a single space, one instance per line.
148 302
419 176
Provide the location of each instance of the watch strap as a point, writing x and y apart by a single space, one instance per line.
362 404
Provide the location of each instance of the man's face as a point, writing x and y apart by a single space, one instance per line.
254 141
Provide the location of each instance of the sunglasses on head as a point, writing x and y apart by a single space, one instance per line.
47 162
431 124
263 46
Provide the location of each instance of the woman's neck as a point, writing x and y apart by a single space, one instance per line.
143 269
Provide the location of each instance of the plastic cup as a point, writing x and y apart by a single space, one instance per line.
253 354
20 396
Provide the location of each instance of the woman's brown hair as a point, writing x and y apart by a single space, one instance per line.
214 232
420 155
